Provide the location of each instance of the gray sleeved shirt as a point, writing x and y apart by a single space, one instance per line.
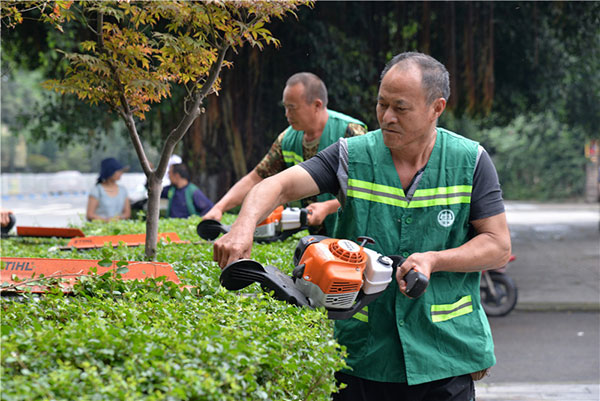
109 206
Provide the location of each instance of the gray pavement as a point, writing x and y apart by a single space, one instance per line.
557 247
557 269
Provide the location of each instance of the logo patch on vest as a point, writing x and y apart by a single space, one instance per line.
445 218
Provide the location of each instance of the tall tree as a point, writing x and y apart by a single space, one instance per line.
140 49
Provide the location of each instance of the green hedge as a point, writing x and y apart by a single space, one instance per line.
118 340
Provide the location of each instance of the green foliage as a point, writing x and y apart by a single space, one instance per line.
537 157
116 340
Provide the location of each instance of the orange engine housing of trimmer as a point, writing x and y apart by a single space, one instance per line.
274 217
330 272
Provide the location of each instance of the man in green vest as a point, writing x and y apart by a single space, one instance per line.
185 198
312 128
422 192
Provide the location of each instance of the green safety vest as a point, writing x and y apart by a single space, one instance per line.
293 153
189 199
445 332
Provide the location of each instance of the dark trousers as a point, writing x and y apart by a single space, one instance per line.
459 388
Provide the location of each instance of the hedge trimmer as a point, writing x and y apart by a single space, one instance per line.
279 225
337 274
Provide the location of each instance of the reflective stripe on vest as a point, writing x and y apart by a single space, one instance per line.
291 157
421 198
440 313
362 315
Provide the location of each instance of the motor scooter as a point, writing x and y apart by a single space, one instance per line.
498 291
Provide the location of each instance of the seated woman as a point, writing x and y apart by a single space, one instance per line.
108 200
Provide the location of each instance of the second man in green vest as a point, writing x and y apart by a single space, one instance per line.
312 128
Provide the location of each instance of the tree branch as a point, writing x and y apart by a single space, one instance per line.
177 133
124 111
100 32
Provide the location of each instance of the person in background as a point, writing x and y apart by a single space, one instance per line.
142 204
7 221
422 192
108 200
312 128
185 198
174 159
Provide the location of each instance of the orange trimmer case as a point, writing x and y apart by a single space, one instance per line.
114 240
60 232
20 271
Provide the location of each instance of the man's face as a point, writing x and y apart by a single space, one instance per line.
402 110
298 113
172 175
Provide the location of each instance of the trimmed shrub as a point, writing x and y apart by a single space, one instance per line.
127 340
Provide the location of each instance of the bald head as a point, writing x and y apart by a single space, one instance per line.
435 79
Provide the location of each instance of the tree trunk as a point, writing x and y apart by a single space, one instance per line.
469 60
153 214
488 75
234 138
451 53
425 38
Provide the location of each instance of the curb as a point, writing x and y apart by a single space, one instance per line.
558 307
536 391
22 196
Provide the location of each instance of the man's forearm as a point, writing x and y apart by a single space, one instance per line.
292 184
236 194
489 249
258 203
480 253
332 206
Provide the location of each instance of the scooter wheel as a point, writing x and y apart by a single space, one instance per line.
506 295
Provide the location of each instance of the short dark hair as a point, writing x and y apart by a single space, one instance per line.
182 170
435 77
314 87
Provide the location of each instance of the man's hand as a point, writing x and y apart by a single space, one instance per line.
420 262
5 217
235 245
213 214
292 184
317 211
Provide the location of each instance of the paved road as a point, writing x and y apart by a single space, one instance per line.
558 255
48 211
546 347
544 356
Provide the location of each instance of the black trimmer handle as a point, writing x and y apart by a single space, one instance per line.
416 282
211 229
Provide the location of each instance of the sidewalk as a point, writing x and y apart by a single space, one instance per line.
557 247
537 392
